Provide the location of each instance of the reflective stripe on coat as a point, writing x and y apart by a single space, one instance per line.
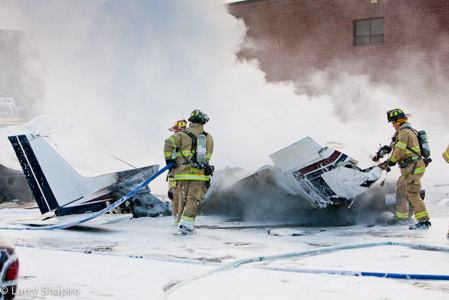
181 143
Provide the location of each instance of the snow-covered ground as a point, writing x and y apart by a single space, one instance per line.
147 258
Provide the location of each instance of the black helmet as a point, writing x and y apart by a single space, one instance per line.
395 114
197 116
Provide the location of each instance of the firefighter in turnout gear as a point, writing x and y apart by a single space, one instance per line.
172 194
446 158
407 154
446 155
194 148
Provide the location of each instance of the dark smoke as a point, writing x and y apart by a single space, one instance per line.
260 199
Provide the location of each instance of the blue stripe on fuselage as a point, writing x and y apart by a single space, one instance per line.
81 209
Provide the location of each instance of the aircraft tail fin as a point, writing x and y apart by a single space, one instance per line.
34 174
52 180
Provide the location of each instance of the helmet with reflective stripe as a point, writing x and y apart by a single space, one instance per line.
179 125
395 114
197 116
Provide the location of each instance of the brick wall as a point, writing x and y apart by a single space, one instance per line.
294 38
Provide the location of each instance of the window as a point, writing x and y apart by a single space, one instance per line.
369 32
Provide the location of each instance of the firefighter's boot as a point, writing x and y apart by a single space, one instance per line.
186 226
421 225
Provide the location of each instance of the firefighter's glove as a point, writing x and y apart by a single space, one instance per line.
385 165
390 163
170 195
209 170
169 161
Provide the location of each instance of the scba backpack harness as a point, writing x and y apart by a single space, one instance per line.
424 149
199 151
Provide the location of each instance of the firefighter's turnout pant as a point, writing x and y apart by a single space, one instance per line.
180 205
190 194
408 187
175 198
174 201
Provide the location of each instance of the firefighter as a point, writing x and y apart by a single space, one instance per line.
172 195
192 171
446 155
407 154
446 158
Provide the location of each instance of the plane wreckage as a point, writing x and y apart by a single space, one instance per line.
304 176
58 189
13 186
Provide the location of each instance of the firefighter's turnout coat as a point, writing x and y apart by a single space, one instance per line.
446 155
412 169
405 142
181 142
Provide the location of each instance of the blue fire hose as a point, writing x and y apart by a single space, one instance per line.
360 273
238 263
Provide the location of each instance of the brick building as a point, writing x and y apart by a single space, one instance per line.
402 42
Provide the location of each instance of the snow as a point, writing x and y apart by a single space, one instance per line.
148 258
